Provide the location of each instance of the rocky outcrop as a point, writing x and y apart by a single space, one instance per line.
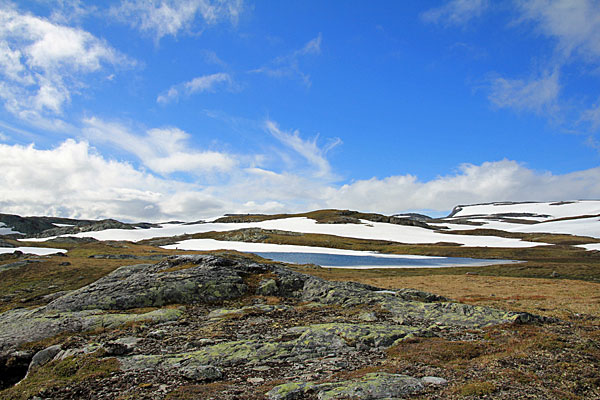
308 325
127 257
372 386
182 280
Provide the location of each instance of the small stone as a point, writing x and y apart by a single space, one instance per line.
554 274
115 349
434 380
64 264
201 372
255 380
368 317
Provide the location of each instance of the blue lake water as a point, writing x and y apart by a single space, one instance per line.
351 261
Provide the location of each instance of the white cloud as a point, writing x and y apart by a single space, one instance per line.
456 12
164 151
289 65
206 83
41 63
73 180
306 148
538 94
161 18
491 181
575 24
592 117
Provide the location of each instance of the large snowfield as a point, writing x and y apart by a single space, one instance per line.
584 221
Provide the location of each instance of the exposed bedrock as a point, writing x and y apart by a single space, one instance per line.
209 281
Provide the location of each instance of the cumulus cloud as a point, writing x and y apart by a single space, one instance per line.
491 181
74 180
289 64
200 84
41 63
537 94
456 12
164 150
308 149
161 18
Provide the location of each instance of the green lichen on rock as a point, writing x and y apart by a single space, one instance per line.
267 287
211 279
372 335
373 386
290 391
311 342
409 305
259 308
22 326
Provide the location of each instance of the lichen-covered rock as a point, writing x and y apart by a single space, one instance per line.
309 342
409 305
22 326
204 279
290 391
260 308
201 372
373 386
371 335
267 287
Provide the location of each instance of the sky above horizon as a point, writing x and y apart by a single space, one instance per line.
188 109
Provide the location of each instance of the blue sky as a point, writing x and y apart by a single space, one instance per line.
186 109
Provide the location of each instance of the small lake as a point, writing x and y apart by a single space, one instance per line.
365 262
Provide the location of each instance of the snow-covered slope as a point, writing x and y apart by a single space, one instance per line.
366 230
549 217
552 210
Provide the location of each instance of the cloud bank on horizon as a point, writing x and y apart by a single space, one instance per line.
183 109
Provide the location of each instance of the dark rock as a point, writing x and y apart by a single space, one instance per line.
201 372
17 264
71 240
120 347
43 357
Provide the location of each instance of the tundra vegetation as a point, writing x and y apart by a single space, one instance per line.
124 320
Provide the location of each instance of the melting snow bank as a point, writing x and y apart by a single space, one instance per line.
40 251
551 209
591 246
366 230
211 244
333 258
